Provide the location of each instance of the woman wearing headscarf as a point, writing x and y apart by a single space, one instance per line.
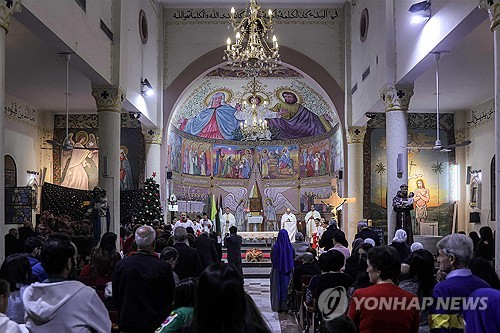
282 255
399 243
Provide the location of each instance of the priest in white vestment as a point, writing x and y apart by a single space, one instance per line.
289 223
227 220
311 227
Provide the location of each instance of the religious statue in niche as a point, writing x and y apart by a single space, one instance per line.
98 211
402 203
475 190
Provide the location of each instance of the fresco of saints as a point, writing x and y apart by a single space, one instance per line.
76 175
126 182
215 122
296 121
264 163
421 199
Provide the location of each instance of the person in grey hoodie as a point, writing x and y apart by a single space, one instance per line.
59 304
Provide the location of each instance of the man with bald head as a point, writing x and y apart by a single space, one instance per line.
143 286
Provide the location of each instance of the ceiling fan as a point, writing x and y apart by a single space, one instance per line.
438 146
67 144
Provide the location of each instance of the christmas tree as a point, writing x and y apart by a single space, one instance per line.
150 206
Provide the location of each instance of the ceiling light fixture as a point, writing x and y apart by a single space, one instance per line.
250 48
146 88
421 12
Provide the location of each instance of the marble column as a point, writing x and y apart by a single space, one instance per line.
153 137
109 101
355 139
396 101
7 8
493 8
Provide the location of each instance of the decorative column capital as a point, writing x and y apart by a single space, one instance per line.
108 98
396 98
152 135
355 134
7 9
493 8
461 135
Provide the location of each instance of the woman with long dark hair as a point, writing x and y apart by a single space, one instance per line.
421 281
104 259
282 255
221 304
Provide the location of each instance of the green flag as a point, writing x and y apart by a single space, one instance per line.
213 212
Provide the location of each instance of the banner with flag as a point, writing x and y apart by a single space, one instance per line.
213 213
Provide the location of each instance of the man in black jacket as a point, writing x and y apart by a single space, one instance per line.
143 286
233 245
206 249
364 232
189 262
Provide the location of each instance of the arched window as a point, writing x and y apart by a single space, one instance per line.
10 172
493 187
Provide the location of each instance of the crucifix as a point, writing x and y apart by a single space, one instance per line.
334 202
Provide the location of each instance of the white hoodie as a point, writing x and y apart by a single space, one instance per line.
10 326
66 306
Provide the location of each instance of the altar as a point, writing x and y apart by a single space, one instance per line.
267 237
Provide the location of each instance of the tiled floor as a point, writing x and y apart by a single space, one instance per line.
279 323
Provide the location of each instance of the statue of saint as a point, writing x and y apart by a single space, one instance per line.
402 205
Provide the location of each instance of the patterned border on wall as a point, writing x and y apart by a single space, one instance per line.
421 121
91 121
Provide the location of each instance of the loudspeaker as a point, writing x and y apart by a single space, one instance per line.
400 165
169 174
474 217
467 175
341 174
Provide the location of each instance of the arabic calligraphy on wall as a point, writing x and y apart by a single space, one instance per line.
327 15
19 111
482 115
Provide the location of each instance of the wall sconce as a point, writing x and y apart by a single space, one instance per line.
134 115
146 88
421 12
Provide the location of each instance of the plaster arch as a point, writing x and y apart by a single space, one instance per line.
290 56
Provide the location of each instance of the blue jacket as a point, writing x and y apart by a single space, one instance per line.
37 270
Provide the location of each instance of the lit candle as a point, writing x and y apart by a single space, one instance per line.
238 36
232 12
228 42
270 13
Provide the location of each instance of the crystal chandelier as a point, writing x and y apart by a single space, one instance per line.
250 49
257 128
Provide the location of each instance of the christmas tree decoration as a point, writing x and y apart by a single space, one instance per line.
150 209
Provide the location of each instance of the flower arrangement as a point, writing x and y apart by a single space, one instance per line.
253 255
